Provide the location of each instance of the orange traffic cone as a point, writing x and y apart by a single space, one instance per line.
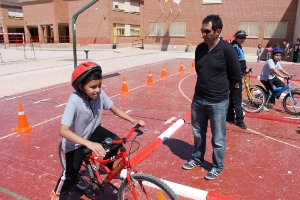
181 69
124 87
150 81
23 125
164 73
193 64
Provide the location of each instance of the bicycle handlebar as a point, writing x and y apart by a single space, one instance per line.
247 72
124 140
290 77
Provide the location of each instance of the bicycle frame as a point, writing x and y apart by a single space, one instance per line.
247 86
124 162
278 91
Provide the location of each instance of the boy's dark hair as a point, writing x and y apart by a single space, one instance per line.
96 75
215 20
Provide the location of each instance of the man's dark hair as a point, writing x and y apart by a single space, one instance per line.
215 20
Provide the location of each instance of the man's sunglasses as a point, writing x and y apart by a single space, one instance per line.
241 38
206 31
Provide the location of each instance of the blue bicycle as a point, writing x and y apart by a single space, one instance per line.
290 100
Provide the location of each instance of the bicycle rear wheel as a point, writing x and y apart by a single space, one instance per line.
146 187
289 106
257 102
61 156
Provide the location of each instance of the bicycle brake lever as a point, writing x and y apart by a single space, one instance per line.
140 132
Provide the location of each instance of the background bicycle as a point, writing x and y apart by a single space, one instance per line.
253 96
94 174
291 101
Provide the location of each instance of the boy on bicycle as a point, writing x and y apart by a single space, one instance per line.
269 73
81 123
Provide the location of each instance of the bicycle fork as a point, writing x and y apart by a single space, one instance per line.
292 97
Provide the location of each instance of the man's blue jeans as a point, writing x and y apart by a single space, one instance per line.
202 111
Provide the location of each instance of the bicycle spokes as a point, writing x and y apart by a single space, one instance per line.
253 99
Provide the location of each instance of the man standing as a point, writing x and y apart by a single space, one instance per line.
217 69
235 96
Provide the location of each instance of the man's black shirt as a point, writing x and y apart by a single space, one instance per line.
217 70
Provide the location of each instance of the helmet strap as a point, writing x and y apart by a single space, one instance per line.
83 94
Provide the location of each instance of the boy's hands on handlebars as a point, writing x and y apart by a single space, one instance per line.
140 122
96 148
290 76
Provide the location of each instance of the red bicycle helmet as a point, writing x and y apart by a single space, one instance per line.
82 71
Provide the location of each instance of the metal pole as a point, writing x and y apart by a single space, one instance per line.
74 18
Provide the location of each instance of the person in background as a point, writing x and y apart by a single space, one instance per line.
269 75
258 52
286 49
295 50
276 45
218 70
235 111
269 50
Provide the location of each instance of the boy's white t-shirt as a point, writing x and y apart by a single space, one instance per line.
266 72
79 117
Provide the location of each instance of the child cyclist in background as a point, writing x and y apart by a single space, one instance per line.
270 72
81 123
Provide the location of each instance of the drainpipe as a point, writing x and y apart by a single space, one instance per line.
74 18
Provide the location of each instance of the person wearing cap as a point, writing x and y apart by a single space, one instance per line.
235 111
81 124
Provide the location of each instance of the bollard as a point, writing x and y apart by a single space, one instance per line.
86 54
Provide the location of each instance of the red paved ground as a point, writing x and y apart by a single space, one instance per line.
261 162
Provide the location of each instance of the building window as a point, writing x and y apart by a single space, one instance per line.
127 30
134 7
177 29
134 30
126 6
156 29
275 29
15 13
211 1
120 29
119 5
251 28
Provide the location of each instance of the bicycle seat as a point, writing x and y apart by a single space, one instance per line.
86 151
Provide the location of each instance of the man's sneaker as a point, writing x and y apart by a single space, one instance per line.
192 164
265 109
53 196
212 174
241 125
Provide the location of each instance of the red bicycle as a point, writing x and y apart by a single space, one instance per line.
135 185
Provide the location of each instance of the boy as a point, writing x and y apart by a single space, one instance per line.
269 73
81 123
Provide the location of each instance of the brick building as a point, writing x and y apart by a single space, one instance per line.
157 23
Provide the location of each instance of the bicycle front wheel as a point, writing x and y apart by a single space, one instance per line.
61 156
257 102
289 106
146 187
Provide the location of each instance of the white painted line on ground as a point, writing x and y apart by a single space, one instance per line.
41 100
170 120
59 105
